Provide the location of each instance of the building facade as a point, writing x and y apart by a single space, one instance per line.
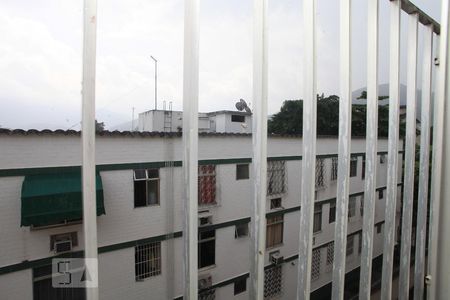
140 217
223 121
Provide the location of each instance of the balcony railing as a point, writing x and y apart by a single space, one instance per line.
435 266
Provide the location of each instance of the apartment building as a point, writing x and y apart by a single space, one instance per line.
140 219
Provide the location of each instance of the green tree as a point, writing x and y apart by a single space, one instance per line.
99 126
290 118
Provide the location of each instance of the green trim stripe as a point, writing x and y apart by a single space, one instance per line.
150 165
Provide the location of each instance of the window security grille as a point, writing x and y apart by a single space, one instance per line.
206 293
315 264
273 282
147 260
276 176
44 290
206 185
330 253
349 250
274 233
334 168
275 203
320 173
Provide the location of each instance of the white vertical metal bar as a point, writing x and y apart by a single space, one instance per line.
371 150
392 172
260 89
424 164
443 266
309 150
436 169
190 146
410 157
345 116
88 145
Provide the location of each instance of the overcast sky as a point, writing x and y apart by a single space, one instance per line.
40 56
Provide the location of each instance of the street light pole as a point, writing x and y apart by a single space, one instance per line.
156 82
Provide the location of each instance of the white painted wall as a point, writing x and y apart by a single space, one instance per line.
123 222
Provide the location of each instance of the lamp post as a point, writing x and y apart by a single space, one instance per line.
156 81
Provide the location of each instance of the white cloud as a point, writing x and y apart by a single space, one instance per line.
40 56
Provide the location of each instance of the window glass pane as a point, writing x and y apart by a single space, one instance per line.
140 174
140 191
237 118
242 171
349 250
317 226
153 192
353 166
153 173
332 214
240 286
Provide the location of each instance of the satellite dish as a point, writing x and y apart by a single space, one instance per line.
242 105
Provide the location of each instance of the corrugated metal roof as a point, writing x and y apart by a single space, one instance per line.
4 131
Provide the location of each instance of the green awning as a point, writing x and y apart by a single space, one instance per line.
49 199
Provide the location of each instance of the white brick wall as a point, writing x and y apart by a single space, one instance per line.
123 222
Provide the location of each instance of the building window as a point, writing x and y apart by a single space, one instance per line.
275 177
360 243
382 159
275 203
204 286
241 230
206 185
320 173
361 205
240 286
379 227
351 207
315 264
242 171
146 187
330 253
238 118
380 194
147 260
206 248
363 173
44 290
349 249
273 280
353 166
274 234
332 213
71 236
334 168
317 226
